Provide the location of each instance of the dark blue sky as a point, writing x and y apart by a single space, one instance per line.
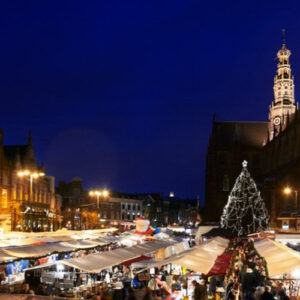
121 93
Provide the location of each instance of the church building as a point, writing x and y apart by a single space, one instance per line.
272 149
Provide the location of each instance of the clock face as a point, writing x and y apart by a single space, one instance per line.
276 121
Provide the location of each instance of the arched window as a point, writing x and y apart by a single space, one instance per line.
225 183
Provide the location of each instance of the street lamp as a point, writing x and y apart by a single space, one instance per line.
98 194
287 190
32 175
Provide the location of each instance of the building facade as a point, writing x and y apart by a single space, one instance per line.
27 203
272 149
80 210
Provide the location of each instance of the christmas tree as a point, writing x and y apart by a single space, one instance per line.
245 211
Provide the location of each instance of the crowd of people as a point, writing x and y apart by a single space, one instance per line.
247 280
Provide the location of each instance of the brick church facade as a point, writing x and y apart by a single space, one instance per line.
271 148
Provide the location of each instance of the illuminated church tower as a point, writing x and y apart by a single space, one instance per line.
283 106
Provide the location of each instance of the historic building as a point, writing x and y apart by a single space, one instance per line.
27 194
272 149
80 210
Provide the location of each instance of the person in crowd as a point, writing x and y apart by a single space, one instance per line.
242 273
212 287
153 286
251 263
200 291
234 293
249 295
267 294
257 275
26 288
258 292
281 294
248 283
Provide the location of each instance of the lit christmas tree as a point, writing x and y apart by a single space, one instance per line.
245 211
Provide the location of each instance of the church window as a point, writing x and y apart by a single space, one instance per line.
286 75
225 183
3 202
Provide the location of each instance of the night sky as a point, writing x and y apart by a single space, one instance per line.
122 93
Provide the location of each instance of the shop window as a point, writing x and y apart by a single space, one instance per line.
3 203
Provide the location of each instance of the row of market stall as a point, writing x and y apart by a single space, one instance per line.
107 268
59 258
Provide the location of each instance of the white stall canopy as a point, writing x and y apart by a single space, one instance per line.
280 259
94 263
199 259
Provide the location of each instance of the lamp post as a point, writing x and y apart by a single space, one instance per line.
288 191
32 175
98 194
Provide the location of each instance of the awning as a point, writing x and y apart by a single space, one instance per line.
82 244
221 264
280 259
199 259
136 260
35 251
94 263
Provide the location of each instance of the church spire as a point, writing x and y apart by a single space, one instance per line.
283 106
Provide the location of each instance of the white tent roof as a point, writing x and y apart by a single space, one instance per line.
280 259
35 250
199 259
202 258
42 250
96 262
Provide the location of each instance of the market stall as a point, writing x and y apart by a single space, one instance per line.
281 260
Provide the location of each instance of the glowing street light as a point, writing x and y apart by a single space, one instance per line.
287 190
98 194
32 175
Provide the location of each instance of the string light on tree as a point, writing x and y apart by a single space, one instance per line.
245 211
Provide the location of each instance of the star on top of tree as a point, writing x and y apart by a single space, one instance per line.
244 164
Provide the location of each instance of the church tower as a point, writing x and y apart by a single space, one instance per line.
283 106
